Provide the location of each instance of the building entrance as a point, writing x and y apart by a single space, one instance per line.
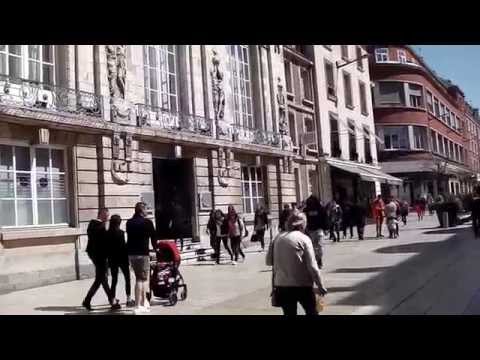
173 187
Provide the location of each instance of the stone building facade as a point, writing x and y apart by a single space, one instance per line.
185 128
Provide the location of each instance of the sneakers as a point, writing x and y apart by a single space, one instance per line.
130 303
116 306
139 310
87 305
234 262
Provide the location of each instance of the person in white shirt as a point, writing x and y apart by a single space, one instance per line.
295 269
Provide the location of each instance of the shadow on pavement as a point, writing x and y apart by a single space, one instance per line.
390 287
444 231
79 310
360 270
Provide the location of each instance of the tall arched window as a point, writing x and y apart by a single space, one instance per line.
31 62
160 64
241 85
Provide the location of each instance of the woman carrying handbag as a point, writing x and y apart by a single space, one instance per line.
294 269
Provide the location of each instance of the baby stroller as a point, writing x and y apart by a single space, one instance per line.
165 278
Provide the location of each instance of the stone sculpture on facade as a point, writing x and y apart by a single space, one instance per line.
218 94
121 168
121 111
282 109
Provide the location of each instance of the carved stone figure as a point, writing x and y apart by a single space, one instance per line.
112 70
217 87
121 69
282 111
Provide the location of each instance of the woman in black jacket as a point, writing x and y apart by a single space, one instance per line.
118 257
260 223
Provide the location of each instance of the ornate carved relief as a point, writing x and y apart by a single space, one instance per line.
225 160
121 110
121 168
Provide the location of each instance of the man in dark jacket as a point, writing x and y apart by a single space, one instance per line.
317 223
284 215
359 217
475 208
140 232
97 250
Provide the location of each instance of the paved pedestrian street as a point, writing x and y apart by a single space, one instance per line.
426 271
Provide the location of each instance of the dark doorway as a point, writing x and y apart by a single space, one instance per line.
173 186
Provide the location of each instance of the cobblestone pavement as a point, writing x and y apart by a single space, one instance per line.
425 271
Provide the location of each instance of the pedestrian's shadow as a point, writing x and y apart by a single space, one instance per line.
79 310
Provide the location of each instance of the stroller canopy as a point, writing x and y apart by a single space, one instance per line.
167 251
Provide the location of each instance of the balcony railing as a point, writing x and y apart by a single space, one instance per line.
155 117
256 136
36 95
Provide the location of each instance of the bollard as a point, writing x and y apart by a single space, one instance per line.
445 219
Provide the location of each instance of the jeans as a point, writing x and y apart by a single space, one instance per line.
360 231
317 241
345 227
236 247
125 267
261 237
288 297
100 279
218 241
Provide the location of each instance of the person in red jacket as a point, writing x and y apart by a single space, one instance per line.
378 208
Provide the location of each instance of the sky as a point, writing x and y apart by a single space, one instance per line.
459 63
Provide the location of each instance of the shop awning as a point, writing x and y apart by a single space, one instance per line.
366 173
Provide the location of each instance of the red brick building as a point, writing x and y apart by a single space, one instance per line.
423 121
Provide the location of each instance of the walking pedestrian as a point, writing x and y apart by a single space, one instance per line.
404 211
260 224
284 217
418 210
295 270
347 222
378 208
430 203
316 226
97 250
391 215
235 228
335 220
220 232
211 229
118 258
359 218
139 231
475 208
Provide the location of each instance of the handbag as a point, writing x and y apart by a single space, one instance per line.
274 294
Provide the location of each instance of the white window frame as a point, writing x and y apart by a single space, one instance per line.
402 56
390 134
331 88
347 79
358 55
251 184
165 97
25 61
344 54
430 106
242 116
33 184
381 55
363 97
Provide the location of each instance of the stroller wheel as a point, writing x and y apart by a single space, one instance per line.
183 294
173 298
